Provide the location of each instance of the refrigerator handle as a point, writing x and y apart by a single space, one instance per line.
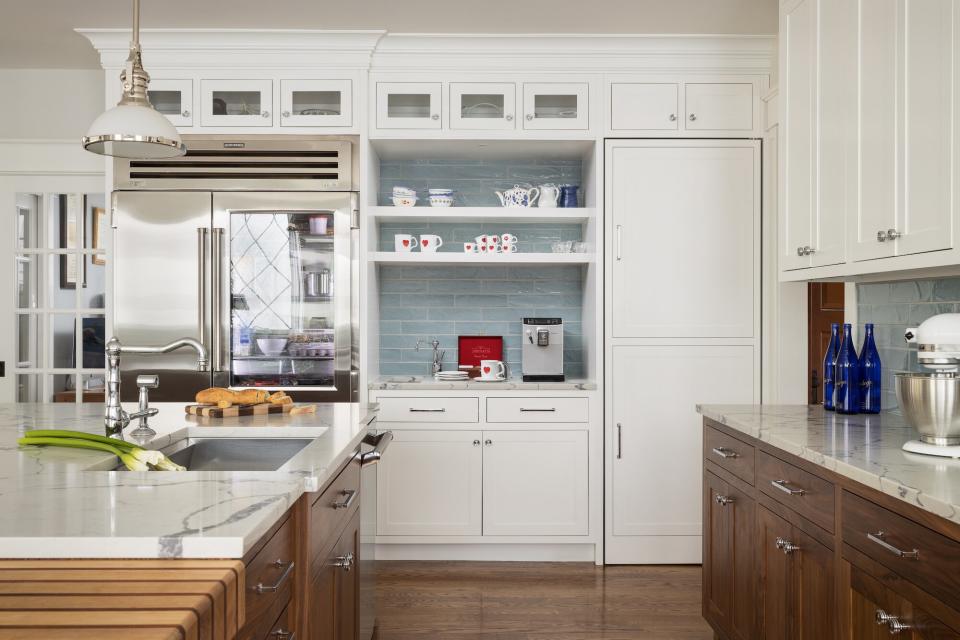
216 254
202 288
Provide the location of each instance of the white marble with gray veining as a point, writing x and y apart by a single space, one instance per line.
418 383
68 503
864 448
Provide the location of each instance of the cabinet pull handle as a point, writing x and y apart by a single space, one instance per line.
900 553
509 117
202 288
881 236
186 113
723 500
782 485
280 634
265 114
476 443
693 117
216 340
344 562
786 546
529 116
349 496
619 242
413 410
435 116
525 410
894 626
262 588
488 442
673 117
619 441
725 453
380 443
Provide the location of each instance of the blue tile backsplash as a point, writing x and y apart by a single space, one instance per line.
442 302
473 181
895 306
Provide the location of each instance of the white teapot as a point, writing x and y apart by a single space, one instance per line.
518 196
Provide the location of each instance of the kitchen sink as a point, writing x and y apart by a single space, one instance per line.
233 454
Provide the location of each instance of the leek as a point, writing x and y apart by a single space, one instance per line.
133 457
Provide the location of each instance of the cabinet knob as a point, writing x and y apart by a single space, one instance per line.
881 236
723 500
186 113
529 116
800 251
488 442
509 117
786 546
476 443
285 114
693 117
435 116
673 117
893 234
265 114
894 626
344 562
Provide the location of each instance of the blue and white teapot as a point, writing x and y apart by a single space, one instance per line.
518 196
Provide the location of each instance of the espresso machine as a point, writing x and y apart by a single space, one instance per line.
542 350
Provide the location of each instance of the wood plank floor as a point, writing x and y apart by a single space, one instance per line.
538 601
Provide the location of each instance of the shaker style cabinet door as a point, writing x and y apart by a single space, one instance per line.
174 99
645 106
548 105
409 105
535 483
719 106
316 103
236 103
483 105
776 574
690 208
431 484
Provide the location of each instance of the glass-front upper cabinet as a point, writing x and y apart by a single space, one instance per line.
409 105
555 105
316 103
174 99
236 103
482 105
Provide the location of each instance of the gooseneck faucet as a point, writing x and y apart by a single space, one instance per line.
114 417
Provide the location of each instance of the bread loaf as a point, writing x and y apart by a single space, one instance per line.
225 398
307 408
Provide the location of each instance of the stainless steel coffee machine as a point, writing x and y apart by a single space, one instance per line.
543 350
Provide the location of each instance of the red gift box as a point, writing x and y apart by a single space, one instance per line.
472 349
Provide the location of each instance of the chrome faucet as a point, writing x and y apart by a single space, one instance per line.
114 417
437 355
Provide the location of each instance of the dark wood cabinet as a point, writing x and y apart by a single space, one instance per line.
729 552
775 574
333 610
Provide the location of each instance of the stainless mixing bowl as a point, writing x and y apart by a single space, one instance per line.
930 402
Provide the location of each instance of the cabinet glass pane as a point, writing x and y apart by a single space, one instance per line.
28 341
93 335
281 289
408 105
28 281
28 221
481 105
93 387
167 102
554 106
63 387
316 103
62 347
65 272
236 103
28 388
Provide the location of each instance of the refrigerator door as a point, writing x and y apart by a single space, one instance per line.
160 273
283 281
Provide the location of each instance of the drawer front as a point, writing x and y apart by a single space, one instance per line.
331 511
922 556
810 496
283 628
420 410
538 410
270 577
732 454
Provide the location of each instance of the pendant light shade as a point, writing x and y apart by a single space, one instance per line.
134 129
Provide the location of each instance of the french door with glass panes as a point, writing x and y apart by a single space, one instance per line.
59 283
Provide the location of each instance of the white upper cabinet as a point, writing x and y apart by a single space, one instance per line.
409 105
236 103
713 106
549 105
647 106
483 105
316 103
174 99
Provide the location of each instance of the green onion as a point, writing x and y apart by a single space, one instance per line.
133 457
132 463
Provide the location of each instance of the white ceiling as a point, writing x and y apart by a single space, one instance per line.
39 33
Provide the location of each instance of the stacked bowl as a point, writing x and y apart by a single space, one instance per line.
404 197
441 197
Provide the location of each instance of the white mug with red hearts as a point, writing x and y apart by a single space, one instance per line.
492 370
404 242
508 238
469 247
430 243
510 248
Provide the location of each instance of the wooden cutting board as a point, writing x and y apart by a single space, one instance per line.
262 409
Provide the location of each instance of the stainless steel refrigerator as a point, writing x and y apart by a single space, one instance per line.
248 245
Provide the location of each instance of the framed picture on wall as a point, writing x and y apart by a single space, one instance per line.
72 210
96 241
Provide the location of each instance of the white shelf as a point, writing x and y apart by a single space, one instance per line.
483 214
451 257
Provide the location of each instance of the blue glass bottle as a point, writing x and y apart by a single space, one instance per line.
829 358
870 370
847 375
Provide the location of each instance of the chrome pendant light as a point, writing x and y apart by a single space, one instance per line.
133 128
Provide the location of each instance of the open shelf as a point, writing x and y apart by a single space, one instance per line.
450 257
483 214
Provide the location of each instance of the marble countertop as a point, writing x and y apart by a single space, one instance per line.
427 383
864 448
69 503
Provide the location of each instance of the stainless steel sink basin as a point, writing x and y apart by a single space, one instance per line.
234 454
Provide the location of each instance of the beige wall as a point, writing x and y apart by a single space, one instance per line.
49 103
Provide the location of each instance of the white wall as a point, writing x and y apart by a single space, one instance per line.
48 104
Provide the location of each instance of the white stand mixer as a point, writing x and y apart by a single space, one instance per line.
930 401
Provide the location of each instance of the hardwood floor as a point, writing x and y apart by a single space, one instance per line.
538 601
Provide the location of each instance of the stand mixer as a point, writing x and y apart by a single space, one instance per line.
930 400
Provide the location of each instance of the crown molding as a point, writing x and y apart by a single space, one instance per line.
380 51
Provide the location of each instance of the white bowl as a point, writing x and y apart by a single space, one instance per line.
440 192
404 201
272 346
441 201
404 191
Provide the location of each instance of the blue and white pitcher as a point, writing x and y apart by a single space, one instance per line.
518 196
